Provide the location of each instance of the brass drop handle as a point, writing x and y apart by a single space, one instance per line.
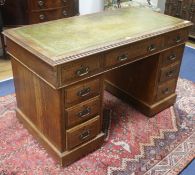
64 12
170 73
151 48
85 112
64 1
84 92
41 3
123 57
82 71
172 57
84 135
165 91
178 39
42 17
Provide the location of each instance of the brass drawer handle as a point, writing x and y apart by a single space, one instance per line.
41 3
41 17
152 48
65 1
84 135
178 39
85 112
83 71
172 57
123 57
166 91
170 73
84 92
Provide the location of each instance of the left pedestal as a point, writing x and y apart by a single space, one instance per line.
67 121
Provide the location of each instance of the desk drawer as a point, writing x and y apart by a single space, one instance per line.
45 4
166 89
83 91
129 53
82 112
176 37
83 132
47 15
172 55
80 69
170 72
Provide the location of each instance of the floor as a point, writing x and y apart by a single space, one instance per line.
5 69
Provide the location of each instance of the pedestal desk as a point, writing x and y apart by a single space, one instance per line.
61 69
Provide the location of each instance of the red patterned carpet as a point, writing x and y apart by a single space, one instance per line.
136 144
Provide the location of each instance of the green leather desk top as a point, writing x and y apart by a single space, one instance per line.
64 40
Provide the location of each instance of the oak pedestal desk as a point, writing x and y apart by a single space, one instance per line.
61 69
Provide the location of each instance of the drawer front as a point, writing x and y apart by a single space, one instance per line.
81 69
45 4
170 72
47 15
130 53
176 37
166 89
83 132
82 112
83 91
172 56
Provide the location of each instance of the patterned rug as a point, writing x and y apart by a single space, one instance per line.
135 145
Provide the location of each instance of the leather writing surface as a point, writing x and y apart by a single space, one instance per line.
74 35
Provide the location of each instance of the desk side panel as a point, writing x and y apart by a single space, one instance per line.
40 104
33 63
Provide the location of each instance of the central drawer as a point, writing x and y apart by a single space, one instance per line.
83 132
130 53
82 91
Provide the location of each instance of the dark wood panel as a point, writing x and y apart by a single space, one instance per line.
14 12
19 12
184 9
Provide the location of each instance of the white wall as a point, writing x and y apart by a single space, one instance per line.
90 6
161 5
